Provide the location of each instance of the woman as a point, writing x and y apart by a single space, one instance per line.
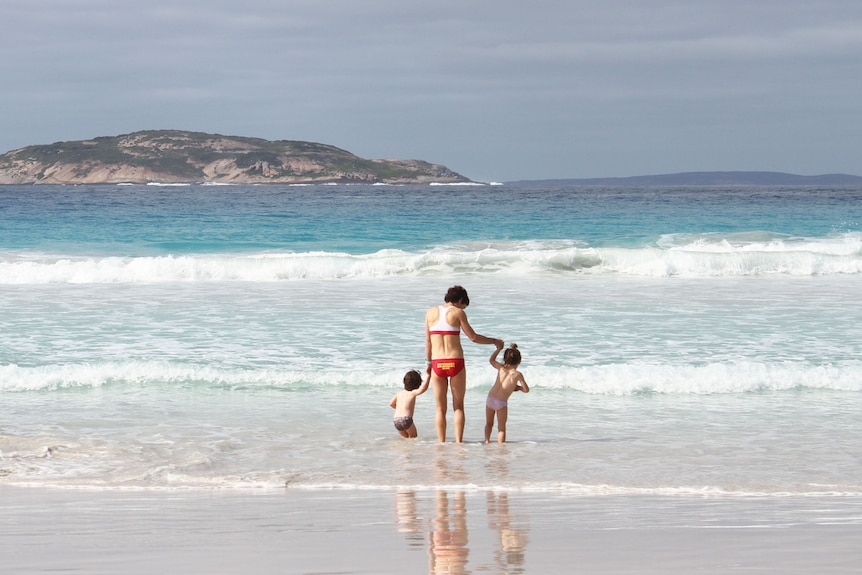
445 356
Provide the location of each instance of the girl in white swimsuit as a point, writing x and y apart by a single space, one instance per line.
509 380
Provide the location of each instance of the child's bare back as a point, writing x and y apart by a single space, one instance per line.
405 403
508 381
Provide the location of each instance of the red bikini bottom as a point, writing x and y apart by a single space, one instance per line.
448 367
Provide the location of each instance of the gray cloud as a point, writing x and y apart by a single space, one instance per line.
495 90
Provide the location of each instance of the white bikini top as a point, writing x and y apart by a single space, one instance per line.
441 326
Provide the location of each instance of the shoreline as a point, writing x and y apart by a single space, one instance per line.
443 530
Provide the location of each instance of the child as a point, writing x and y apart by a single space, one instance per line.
509 380
404 402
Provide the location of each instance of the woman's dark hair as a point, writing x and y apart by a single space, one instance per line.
457 294
412 380
512 356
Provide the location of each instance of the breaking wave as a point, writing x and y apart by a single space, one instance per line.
672 256
612 379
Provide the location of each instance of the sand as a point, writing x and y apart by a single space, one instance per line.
380 532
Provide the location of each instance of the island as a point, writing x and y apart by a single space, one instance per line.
176 156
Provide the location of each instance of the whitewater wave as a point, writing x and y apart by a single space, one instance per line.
614 379
672 256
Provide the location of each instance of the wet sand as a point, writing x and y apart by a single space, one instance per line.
444 531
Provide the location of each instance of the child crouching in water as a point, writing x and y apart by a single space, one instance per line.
405 401
509 380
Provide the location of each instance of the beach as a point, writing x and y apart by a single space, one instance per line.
196 379
439 531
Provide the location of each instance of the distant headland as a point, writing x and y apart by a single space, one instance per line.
709 179
175 156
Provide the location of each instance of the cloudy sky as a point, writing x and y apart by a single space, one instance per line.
494 89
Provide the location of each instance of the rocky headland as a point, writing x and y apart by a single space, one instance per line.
174 156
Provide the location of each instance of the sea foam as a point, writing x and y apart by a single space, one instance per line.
699 257
612 380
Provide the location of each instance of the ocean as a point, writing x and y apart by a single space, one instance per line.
686 342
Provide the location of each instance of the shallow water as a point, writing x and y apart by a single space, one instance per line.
683 341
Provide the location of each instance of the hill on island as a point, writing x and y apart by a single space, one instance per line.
174 156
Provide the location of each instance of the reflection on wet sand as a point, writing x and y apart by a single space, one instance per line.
509 557
447 541
407 518
448 537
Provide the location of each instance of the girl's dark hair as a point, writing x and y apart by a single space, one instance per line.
457 294
512 356
412 380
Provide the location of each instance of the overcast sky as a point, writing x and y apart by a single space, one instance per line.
494 89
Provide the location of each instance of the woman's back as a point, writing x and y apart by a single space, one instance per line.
444 326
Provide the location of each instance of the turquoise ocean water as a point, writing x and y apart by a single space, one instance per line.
679 341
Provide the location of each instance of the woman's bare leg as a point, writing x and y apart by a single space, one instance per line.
441 388
459 387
